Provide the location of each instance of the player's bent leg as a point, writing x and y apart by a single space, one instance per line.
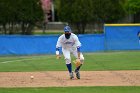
77 74
77 71
78 68
82 62
71 75
66 54
69 66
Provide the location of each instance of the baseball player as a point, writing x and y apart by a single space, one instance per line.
138 34
70 44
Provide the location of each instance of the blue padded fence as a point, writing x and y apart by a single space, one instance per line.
26 45
116 37
122 37
92 42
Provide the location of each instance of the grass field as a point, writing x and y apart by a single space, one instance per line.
73 90
48 32
93 61
128 60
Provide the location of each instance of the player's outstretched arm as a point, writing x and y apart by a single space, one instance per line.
58 53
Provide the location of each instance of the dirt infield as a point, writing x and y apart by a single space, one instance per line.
61 79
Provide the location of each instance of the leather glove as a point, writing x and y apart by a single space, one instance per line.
77 62
58 56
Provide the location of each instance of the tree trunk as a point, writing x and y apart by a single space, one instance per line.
11 28
29 29
23 28
4 28
78 28
83 27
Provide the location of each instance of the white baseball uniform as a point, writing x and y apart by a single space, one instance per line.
69 46
139 36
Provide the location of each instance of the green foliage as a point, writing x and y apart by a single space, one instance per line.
109 11
24 13
76 12
133 6
79 13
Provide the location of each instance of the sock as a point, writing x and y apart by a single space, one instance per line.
78 68
69 66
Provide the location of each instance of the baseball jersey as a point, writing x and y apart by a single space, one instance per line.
72 42
138 34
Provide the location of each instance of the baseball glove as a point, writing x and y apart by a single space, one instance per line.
77 62
58 56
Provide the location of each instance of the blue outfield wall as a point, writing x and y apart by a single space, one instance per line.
92 42
27 45
122 36
116 37
23 45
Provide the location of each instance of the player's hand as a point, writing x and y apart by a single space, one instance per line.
58 56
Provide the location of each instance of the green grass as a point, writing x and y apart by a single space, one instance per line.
73 90
48 32
113 61
128 60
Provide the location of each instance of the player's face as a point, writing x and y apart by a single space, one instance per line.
67 35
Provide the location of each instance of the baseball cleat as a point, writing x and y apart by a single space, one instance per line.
71 75
77 74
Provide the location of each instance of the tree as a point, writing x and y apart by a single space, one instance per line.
20 15
133 7
109 11
76 12
82 12
30 13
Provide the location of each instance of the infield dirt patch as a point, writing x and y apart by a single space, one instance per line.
61 79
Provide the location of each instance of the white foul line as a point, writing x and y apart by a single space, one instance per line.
13 61
19 60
